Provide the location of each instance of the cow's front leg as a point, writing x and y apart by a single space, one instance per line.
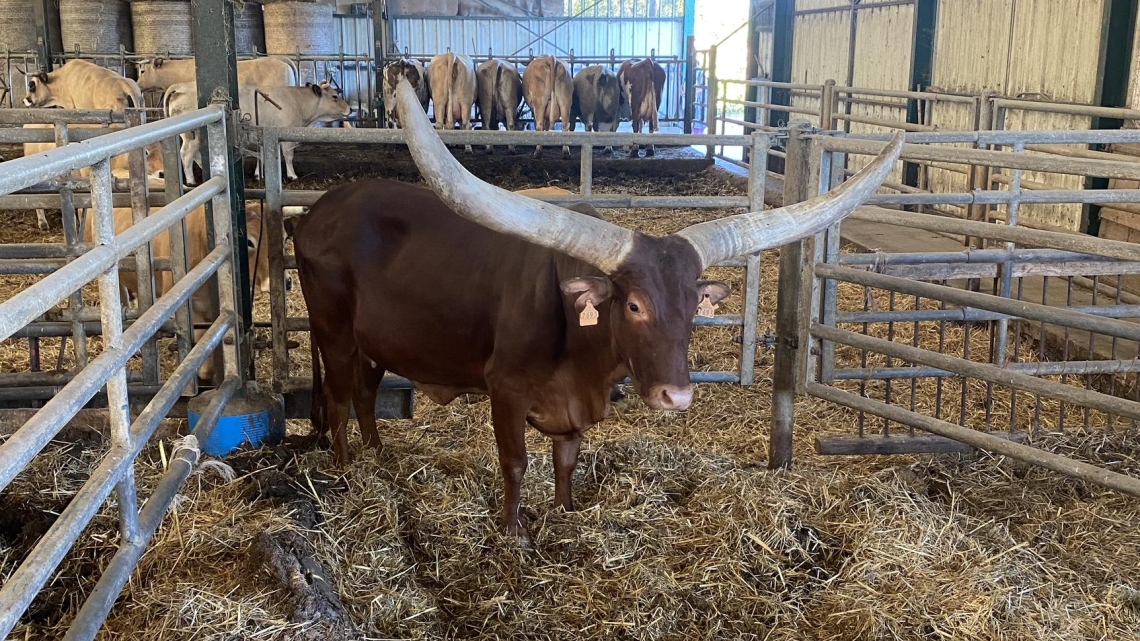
649 151
565 460
188 154
287 151
41 220
508 414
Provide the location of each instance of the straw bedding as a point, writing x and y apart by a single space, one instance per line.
681 531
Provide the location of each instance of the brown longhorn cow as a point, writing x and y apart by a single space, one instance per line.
467 288
642 84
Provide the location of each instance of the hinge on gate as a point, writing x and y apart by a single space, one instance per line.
767 341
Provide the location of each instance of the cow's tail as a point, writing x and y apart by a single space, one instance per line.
498 109
453 80
550 102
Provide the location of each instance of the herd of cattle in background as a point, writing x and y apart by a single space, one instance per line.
596 96
269 95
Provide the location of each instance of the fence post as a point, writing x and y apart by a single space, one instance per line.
791 346
827 106
979 175
710 99
757 179
690 82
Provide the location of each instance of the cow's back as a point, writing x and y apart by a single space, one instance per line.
89 86
432 289
273 71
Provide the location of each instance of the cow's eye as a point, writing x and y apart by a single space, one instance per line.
634 308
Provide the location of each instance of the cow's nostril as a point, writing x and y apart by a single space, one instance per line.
670 397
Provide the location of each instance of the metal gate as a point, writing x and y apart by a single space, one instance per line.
1022 334
100 260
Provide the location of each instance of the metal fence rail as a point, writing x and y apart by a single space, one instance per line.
987 347
100 261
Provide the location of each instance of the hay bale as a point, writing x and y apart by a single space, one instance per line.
162 26
95 26
299 27
424 7
19 32
249 28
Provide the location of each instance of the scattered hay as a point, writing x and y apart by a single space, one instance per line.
681 532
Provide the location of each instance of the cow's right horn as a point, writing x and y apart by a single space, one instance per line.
592 240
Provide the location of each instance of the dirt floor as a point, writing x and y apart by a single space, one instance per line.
681 533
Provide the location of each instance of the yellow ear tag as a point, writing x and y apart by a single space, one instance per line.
589 315
706 308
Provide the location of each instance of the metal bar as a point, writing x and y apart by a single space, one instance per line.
25 306
52 116
1074 368
586 172
271 174
1031 311
24 172
95 609
72 235
978 196
989 442
136 160
757 180
172 175
1009 138
229 232
911 95
325 135
965 314
21 447
110 316
1068 109
711 92
1050 240
1011 160
983 371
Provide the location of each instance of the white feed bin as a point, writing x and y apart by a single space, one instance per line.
162 26
97 26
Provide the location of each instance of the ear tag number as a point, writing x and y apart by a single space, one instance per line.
706 309
589 315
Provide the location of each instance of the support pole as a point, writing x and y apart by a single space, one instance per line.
690 83
711 100
217 82
40 11
788 305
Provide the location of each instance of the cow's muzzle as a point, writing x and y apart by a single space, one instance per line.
669 398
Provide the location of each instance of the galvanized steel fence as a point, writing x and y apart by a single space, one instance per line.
100 261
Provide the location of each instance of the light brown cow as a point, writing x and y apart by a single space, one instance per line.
203 307
414 72
549 90
451 77
267 107
500 94
642 83
82 85
119 164
273 71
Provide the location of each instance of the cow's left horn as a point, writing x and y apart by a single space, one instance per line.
719 240
592 240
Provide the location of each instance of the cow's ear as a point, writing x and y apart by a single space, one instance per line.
316 89
596 289
157 62
716 291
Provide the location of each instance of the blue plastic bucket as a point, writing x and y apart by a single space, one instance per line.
257 419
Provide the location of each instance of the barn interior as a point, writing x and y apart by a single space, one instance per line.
953 467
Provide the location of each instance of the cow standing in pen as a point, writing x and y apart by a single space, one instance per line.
549 91
266 107
597 99
643 83
465 287
410 70
500 94
271 71
451 77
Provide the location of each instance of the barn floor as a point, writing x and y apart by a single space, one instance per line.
681 532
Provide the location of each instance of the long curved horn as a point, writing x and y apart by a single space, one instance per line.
719 240
594 241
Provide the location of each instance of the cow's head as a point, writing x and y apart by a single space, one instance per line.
330 106
39 91
147 70
649 289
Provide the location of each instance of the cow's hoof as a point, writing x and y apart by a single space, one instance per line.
518 532
511 149
43 225
633 154
649 152
490 150
538 153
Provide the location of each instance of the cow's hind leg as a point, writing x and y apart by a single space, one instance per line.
188 154
368 377
565 460
287 151
635 148
649 151
41 220
508 415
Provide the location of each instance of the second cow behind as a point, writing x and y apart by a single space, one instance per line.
549 91
451 78
597 98
500 94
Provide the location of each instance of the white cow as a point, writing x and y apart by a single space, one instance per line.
82 85
274 71
451 78
266 107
